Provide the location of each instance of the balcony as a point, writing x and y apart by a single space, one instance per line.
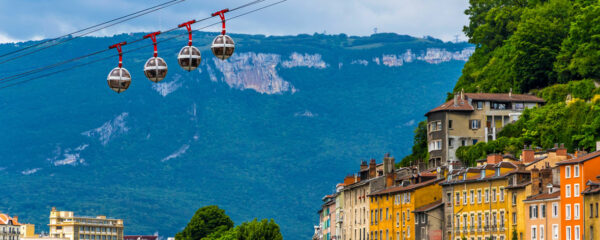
472 229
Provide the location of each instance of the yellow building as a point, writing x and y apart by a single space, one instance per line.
477 200
28 231
64 224
591 199
391 209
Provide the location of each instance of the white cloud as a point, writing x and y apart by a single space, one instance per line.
177 153
30 171
110 129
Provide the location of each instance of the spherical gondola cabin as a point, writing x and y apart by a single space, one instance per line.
119 79
155 69
223 47
189 58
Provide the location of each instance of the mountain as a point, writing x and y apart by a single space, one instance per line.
263 134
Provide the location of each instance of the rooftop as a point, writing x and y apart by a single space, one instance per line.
460 104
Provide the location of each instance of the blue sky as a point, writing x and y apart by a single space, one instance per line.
37 19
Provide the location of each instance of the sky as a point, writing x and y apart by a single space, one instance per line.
39 19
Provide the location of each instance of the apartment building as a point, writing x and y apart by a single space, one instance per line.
574 174
64 224
470 118
9 227
542 221
591 197
327 215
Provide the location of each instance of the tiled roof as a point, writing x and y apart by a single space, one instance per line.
4 219
580 159
410 187
430 206
504 97
593 187
462 105
543 196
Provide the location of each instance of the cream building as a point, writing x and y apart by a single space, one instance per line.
27 231
9 227
64 224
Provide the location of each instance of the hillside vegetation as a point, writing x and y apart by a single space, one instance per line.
549 48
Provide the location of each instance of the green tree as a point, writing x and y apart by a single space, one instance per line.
255 230
205 221
419 149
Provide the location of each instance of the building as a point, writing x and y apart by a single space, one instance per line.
591 197
543 217
391 209
27 231
370 178
64 224
339 211
574 174
9 227
429 221
326 217
477 202
470 118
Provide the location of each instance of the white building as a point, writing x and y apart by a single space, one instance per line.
9 227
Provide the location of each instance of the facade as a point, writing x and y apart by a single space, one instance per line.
391 209
542 221
27 230
9 227
470 118
479 205
574 174
370 178
591 197
327 216
64 224
429 221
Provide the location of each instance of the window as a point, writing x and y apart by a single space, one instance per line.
591 210
514 218
568 172
479 195
568 232
501 194
576 171
465 198
407 231
407 215
479 105
472 196
463 142
543 210
568 190
533 232
474 141
457 198
541 232
450 142
487 195
494 197
596 209
577 233
568 212
554 210
502 219
514 199
474 124
435 145
576 190
576 211
449 124
555 231
397 219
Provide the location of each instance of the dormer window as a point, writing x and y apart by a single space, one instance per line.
482 173
497 172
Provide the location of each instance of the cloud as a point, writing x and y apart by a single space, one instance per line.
439 18
30 171
177 153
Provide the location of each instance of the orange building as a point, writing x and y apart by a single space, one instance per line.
574 173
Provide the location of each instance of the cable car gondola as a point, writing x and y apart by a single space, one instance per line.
223 45
155 68
119 78
189 57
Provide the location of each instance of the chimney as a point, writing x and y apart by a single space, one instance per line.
372 169
494 158
388 170
546 178
598 146
456 99
363 165
16 219
535 181
510 93
561 151
528 155
462 94
580 153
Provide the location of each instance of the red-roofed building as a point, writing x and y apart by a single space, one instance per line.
469 118
9 227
